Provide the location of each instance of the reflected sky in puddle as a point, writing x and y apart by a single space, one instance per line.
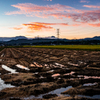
57 91
9 69
69 63
22 67
56 75
36 73
71 73
93 97
41 77
3 86
94 77
59 65
90 84
37 65
87 77
2 55
50 71
32 65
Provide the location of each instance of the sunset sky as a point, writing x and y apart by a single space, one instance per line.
32 18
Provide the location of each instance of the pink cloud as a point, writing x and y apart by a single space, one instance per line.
76 25
90 16
91 6
57 11
47 0
84 1
29 8
95 25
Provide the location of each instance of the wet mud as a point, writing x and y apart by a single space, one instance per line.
53 74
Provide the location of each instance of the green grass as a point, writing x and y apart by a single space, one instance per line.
1 48
71 47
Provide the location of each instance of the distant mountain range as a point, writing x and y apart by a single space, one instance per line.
51 40
50 37
94 38
12 38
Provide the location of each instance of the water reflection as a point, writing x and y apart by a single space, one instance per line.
71 73
37 65
90 84
56 75
22 67
87 77
93 97
3 86
73 64
57 91
9 69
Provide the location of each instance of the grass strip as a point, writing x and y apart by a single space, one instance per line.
71 47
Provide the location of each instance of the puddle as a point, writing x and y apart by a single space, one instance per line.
22 67
87 77
92 97
57 91
2 55
3 86
45 65
56 75
94 77
73 64
9 69
90 84
59 65
50 71
36 73
41 77
80 76
37 65
55 66
71 73
32 65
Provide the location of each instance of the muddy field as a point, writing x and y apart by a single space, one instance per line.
53 74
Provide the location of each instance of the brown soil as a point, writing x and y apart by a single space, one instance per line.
50 69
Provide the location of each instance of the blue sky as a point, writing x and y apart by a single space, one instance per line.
31 18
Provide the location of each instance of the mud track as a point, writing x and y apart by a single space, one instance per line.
39 71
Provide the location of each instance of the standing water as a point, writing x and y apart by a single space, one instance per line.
9 69
56 91
3 85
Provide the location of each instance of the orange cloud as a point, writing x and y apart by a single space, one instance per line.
95 25
37 26
17 28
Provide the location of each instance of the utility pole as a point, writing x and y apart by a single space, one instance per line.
58 36
58 33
